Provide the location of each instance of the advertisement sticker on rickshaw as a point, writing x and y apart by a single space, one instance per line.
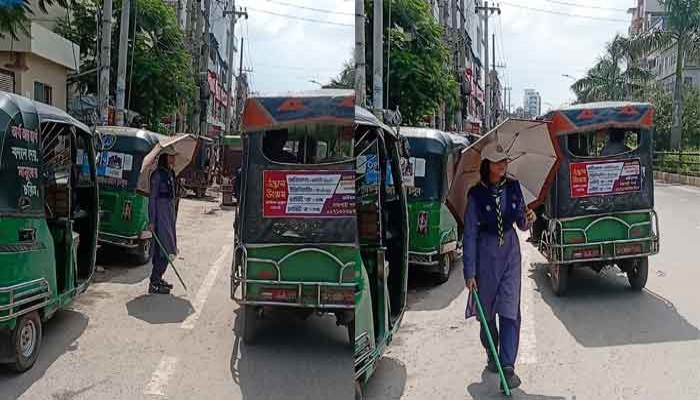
327 194
107 141
605 177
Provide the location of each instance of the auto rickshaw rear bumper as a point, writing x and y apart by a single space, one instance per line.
554 248
431 258
22 298
286 293
127 242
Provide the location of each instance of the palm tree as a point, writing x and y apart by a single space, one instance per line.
682 29
613 77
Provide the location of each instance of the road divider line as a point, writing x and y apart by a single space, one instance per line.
527 354
161 376
203 292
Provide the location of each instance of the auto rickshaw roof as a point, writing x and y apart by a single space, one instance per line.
232 139
603 115
428 140
328 106
364 117
45 112
125 131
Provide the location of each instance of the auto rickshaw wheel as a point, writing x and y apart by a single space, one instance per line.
250 321
143 251
639 272
559 277
26 341
444 268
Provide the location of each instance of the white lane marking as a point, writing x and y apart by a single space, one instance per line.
527 353
161 376
204 290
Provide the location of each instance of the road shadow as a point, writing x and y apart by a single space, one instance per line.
115 271
424 294
159 308
60 335
389 380
303 359
489 389
601 310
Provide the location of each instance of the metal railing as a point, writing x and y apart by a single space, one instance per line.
677 162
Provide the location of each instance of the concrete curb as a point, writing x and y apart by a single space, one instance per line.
677 178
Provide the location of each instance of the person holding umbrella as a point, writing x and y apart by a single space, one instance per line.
492 256
162 216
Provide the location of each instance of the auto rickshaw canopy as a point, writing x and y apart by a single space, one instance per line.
325 106
599 116
432 141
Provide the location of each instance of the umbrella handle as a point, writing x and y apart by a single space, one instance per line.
492 346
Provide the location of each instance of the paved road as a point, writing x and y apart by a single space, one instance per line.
118 343
602 341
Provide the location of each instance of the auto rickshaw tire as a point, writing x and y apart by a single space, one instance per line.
26 341
444 268
358 390
638 274
143 251
250 322
559 277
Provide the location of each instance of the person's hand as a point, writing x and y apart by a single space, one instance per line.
530 216
152 227
471 284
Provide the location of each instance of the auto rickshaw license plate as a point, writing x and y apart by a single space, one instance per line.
627 249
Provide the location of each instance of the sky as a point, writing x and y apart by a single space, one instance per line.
286 53
536 46
539 47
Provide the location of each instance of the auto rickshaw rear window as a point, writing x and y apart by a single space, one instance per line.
309 144
603 143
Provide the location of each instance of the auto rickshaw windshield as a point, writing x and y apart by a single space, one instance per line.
603 143
309 144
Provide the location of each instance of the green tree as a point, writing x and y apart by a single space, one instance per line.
15 18
682 29
345 79
161 77
418 77
612 77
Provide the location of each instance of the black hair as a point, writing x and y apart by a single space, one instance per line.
163 160
485 171
617 135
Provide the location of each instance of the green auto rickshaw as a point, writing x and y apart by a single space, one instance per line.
231 154
600 209
48 220
123 211
380 297
434 233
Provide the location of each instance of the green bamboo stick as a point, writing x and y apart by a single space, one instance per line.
485 324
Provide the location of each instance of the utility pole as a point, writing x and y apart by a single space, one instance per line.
506 95
204 92
239 89
198 19
487 11
457 39
103 95
121 68
231 44
360 62
378 58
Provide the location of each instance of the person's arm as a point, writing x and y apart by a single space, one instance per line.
153 199
471 232
524 223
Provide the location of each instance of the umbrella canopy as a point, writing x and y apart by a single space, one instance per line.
533 155
181 146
